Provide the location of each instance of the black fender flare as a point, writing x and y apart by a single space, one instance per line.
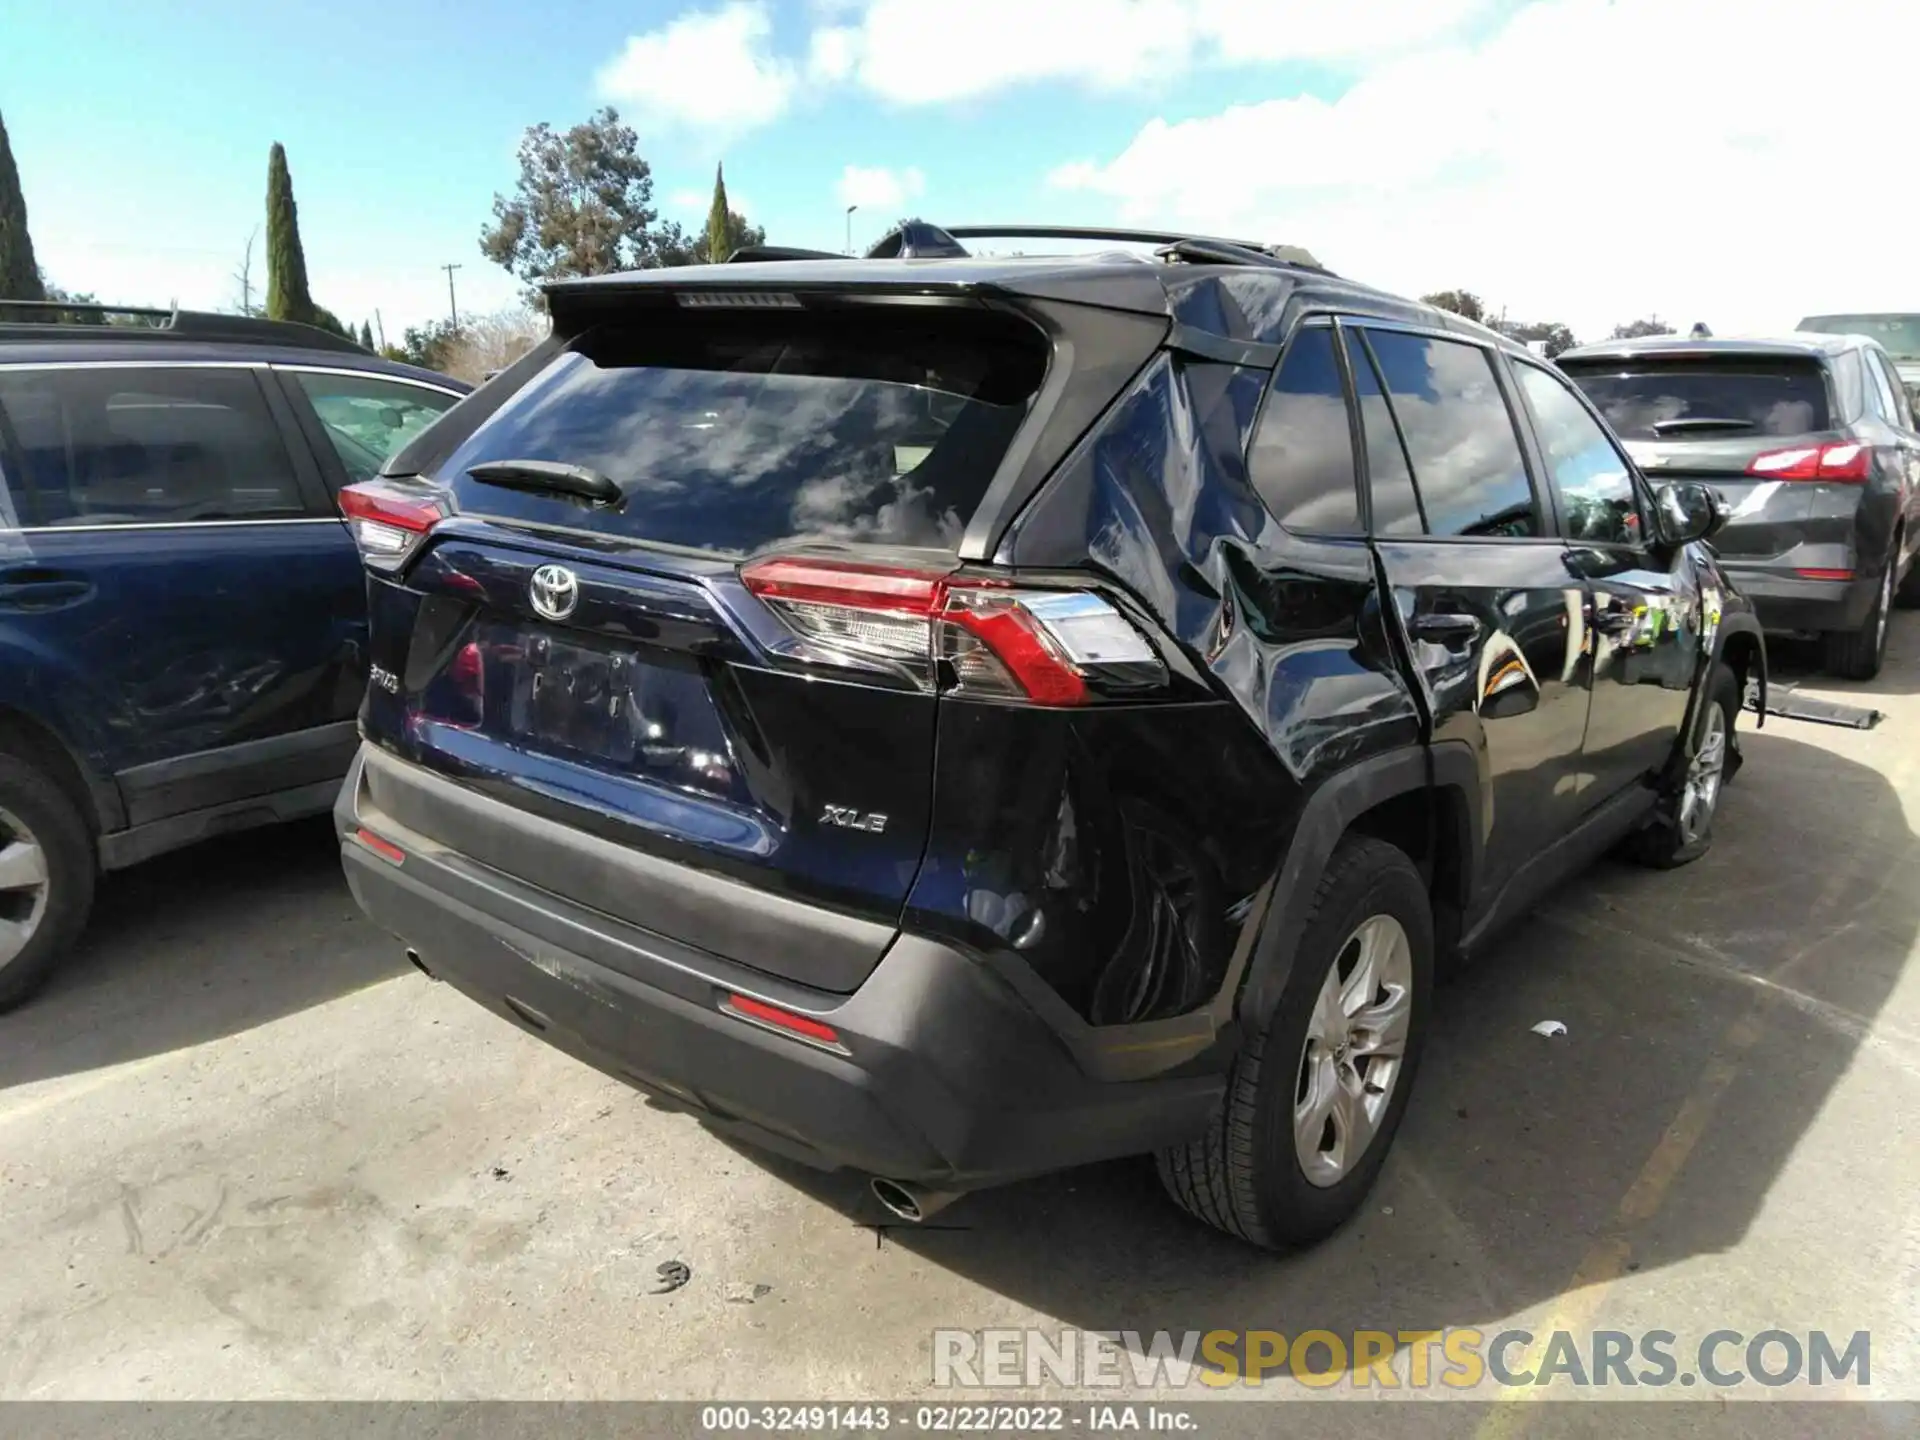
1741 622
1328 813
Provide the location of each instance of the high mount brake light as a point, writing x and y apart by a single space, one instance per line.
388 520
1849 463
1044 646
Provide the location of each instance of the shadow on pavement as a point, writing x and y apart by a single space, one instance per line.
199 944
1742 984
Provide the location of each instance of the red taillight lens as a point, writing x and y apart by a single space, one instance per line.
1805 574
805 1027
388 520
1037 645
1848 463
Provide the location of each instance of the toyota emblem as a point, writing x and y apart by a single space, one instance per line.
555 592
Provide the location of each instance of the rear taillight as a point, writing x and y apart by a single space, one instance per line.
1848 463
1045 646
388 520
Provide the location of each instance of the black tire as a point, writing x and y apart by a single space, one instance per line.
1671 841
1857 654
42 808
1244 1176
1907 596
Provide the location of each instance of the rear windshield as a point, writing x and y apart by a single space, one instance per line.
1706 399
1899 335
734 431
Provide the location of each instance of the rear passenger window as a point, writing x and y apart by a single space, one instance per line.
1466 457
1301 460
1595 490
1396 508
127 447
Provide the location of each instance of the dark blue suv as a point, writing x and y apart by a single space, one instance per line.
182 613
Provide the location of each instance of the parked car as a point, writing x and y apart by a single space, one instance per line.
965 718
1810 441
182 612
1897 333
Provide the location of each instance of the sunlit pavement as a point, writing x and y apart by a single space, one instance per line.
246 1152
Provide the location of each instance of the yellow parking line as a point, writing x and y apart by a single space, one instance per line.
1606 1260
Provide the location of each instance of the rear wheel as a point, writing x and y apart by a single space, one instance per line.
46 878
1856 654
1315 1097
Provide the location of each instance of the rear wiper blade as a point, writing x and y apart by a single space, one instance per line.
1701 422
548 476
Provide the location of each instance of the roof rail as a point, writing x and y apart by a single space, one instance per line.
156 324
1186 246
749 253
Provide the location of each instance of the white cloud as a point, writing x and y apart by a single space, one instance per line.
713 69
1589 161
920 51
688 200
879 188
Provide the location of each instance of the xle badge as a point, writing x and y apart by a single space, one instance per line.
845 817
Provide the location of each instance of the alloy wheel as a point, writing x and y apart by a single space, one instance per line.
1701 791
23 887
1355 1047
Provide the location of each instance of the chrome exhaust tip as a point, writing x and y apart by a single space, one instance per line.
907 1201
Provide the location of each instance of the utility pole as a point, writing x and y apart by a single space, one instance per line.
850 210
380 326
453 311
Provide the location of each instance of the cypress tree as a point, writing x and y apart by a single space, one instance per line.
287 295
719 230
366 336
19 275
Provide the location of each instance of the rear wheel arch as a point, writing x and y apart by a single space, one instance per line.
32 740
1423 800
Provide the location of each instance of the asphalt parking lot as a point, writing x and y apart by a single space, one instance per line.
245 1151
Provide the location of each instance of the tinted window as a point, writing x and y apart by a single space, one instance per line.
729 431
366 419
123 446
1460 437
1879 396
1396 508
1891 390
1647 399
1899 335
1301 459
1592 481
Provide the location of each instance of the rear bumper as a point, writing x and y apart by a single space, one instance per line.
1787 602
943 1075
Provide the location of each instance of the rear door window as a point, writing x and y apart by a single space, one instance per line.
1892 393
1467 462
1301 459
1651 399
128 446
367 419
731 432
1396 505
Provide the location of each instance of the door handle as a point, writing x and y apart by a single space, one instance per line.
40 590
1449 630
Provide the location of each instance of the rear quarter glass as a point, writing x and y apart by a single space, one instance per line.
1653 399
738 432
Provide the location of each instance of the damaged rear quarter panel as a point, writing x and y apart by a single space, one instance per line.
1126 853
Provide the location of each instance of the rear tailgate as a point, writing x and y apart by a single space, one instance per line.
594 660
1711 418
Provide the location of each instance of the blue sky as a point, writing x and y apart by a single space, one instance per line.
1414 143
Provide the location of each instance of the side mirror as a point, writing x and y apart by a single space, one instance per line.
1686 511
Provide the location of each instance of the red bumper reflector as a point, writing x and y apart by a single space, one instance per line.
1824 574
385 849
773 1015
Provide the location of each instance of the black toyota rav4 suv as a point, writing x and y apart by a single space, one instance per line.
956 718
